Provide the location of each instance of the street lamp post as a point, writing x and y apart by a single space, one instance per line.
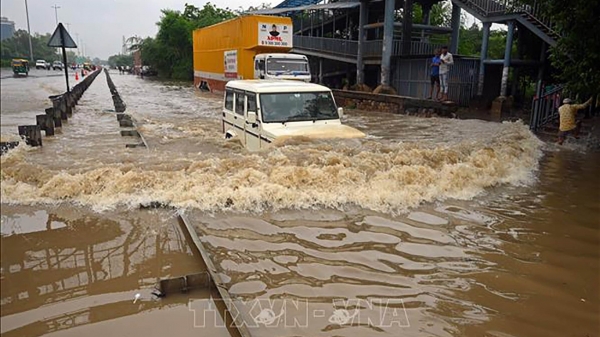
29 32
78 50
55 13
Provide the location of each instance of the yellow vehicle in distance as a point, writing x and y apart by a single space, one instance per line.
20 67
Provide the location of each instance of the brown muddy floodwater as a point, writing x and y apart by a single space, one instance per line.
428 227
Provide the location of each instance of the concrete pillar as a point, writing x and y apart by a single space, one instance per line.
320 70
362 21
388 37
538 87
455 28
426 18
540 76
483 56
514 91
407 27
506 68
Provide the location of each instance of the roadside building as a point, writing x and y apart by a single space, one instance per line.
7 28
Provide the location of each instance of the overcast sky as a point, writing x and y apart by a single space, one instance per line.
102 24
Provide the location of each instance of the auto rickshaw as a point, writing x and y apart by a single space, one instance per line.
20 67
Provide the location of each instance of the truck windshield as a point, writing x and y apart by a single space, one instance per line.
305 106
286 66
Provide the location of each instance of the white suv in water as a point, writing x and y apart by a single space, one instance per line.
259 111
42 64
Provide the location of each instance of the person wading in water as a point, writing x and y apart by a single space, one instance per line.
568 122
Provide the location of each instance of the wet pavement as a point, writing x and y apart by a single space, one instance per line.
463 227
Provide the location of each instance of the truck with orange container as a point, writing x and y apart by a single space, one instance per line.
247 47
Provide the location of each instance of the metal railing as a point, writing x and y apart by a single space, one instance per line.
372 48
327 45
411 77
545 108
534 12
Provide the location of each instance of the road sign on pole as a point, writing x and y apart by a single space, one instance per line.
61 38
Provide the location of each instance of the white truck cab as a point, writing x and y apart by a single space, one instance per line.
257 112
281 67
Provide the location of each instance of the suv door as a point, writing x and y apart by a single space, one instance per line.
239 115
229 113
253 130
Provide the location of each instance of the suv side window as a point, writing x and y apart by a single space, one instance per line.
229 100
251 102
239 103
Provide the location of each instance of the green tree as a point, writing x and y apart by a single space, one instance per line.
18 47
171 51
120 60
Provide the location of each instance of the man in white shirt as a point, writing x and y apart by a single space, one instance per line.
446 61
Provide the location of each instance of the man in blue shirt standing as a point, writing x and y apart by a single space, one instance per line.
435 75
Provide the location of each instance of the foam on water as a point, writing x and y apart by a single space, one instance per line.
296 175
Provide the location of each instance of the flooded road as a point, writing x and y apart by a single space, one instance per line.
467 228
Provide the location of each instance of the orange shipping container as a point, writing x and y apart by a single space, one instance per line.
225 51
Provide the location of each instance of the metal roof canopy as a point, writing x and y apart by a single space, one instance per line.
333 5
296 3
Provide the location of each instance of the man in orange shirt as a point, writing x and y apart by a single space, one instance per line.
568 122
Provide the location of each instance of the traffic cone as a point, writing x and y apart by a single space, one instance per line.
76 76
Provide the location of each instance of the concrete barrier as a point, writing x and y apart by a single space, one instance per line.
61 110
41 121
394 104
32 134
117 101
130 133
6 146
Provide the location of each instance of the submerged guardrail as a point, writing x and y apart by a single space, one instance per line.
61 110
125 120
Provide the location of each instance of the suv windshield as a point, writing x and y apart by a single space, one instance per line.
305 106
286 66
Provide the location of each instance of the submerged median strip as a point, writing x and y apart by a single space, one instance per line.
125 120
61 110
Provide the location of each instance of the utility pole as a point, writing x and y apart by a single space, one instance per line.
29 33
78 50
55 12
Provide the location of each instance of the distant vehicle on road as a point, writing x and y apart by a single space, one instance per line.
256 112
57 65
20 66
42 64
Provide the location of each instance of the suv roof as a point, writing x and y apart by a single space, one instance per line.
274 86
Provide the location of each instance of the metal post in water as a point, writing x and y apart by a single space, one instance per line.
505 69
455 28
362 21
29 32
388 37
483 57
